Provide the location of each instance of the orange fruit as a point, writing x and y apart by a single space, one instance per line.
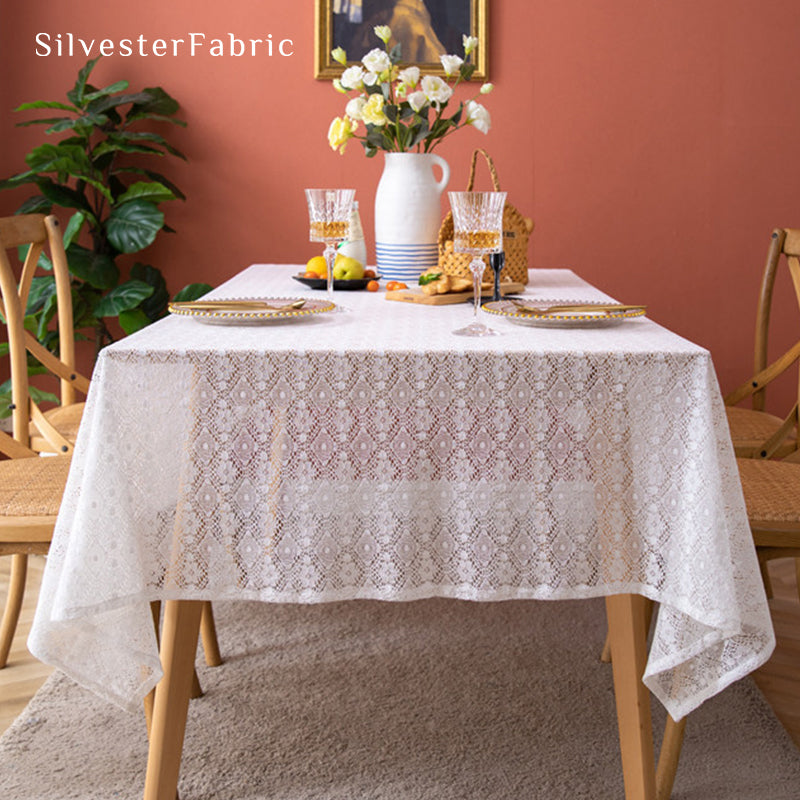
372 286
391 286
317 265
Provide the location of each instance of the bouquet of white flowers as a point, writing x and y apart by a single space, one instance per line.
403 110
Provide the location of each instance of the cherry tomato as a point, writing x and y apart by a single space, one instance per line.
369 273
400 285
391 286
372 286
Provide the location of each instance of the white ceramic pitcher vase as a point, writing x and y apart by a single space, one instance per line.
408 214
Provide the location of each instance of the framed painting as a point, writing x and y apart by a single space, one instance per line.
424 29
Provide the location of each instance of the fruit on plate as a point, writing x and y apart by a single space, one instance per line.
347 269
318 266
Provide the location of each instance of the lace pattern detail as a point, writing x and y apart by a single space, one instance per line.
367 457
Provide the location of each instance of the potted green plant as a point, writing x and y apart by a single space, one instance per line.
100 171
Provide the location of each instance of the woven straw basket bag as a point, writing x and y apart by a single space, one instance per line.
516 233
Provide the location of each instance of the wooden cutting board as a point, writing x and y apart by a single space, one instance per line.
418 296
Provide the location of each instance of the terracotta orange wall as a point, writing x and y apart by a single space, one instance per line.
654 143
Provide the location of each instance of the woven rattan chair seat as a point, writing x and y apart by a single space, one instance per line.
771 490
750 428
32 486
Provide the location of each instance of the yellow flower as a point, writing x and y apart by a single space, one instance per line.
383 32
340 132
372 113
339 55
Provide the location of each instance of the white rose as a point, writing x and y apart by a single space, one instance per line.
370 79
354 108
436 90
451 64
470 43
352 77
409 76
417 101
478 117
377 60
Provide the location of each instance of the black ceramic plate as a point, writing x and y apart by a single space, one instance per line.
321 283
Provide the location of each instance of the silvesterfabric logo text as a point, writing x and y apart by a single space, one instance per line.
194 44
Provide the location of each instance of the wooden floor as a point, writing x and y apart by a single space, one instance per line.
779 679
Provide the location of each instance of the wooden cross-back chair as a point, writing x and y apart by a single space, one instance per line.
755 432
768 450
53 430
31 488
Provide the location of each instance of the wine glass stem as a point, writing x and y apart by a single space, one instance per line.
477 266
330 256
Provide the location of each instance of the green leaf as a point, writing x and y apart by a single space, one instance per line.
156 176
63 196
162 118
101 104
47 313
133 320
429 278
139 136
97 269
52 157
159 102
142 190
114 145
124 297
119 86
83 126
73 228
133 226
466 70
35 205
43 121
154 306
46 104
39 396
192 292
77 92
42 288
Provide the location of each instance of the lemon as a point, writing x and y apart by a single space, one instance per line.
318 265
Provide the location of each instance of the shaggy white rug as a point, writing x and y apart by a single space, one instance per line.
431 700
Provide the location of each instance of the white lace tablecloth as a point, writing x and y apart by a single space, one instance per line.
373 454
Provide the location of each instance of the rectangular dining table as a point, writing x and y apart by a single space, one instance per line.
373 454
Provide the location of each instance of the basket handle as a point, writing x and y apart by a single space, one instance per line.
490 164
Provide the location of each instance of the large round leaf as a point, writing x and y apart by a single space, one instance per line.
134 225
97 269
124 297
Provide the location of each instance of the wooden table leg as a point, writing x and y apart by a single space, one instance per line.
178 648
628 639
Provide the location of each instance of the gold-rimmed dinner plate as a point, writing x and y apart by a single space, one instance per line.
584 317
251 310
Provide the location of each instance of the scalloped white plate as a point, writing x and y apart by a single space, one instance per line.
566 319
211 316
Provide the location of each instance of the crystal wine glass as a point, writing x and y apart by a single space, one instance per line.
478 224
329 220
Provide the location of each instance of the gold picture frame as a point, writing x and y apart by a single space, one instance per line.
434 27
